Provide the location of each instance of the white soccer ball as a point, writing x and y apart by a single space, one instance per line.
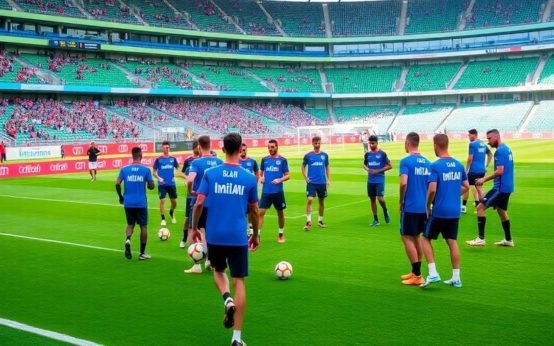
283 270
164 234
197 252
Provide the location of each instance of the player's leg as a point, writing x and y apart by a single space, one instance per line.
321 195
263 205
465 196
381 198
487 202
505 220
130 216
173 199
411 225
280 206
432 231
309 202
450 234
162 192
238 267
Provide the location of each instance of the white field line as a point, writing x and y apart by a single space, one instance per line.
59 242
47 333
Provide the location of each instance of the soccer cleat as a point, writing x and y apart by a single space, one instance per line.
307 226
504 242
374 223
321 224
229 317
429 280
407 276
414 280
193 270
183 244
453 283
281 238
173 220
163 223
128 254
387 218
476 242
238 343
144 256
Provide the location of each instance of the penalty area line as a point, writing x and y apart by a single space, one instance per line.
59 242
47 333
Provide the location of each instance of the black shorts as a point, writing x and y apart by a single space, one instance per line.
170 190
375 189
316 189
275 199
472 176
136 216
203 216
235 256
497 199
436 225
188 207
412 223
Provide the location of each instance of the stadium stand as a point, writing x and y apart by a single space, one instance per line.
363 80
157 13
491 13
228 77
543 119
320 113
205 15
52 7
162 75
426 16
291 79
430 77
12 71
298 19
497 73
547 74
109 10
287 115
422 118
506 116
4 5
249 16
365 18
378 118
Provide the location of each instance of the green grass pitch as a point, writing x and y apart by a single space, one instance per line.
346 284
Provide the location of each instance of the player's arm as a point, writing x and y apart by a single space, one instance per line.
499 171
431 192
254 215
387 167
469 162
402 192
118 189
286 176
303 169
196 212
489 159
328 174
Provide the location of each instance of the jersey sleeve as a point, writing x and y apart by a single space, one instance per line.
121 175
253 193
156 164
175 163
305 160
385 158
403 167
193 167
326 160
204 185
262 164
434 174
255 166
502 157
149 176
285 166
470 150
365 160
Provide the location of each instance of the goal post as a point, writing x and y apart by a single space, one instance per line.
332 136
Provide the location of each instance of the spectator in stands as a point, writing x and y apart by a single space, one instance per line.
2 152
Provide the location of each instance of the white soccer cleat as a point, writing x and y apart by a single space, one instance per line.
173 220
183 244
144 256
476 242
163 223
194 270
504 242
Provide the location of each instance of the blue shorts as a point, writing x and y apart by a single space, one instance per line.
170 190
447 227
275 199
412 223
375 189
497 199
319 189
136 216
203 216
235 256
472 176
188 207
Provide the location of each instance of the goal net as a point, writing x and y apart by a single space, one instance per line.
332 136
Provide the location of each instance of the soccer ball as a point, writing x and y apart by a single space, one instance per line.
197 252
283 270
164 234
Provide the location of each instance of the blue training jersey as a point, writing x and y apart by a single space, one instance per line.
273 168
503 157
479 150
249 164
317 164
199 166
134 179
418 169
186 164
228 189
449 174
376 160
166 165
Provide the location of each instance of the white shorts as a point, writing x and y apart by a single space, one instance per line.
93 165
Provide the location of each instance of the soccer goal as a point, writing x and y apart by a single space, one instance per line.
332 136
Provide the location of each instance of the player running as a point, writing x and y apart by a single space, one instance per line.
475 166
188 205
499 196
318 178
376 163
274 170
164 170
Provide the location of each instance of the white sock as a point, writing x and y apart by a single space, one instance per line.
236 335
456 274
228 300
432 269
281 230
320 218
309 217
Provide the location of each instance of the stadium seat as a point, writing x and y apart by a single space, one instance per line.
504 116
426 16
363 80
422 118
298 19
430 77
497 73
542 120
365 18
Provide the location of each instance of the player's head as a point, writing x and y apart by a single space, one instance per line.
472 134
232 143
165 147
137 153
440 144
243 150
272 147
412 142
93 144
373 140
205 143
316 142
493 136
195 150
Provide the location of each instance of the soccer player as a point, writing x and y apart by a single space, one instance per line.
448 180
229 189
475 166
499 196
318 178
376 163
135 178
164 170
194 178
365 140
251 166
274 170
414 174
188 205
93 154
2 152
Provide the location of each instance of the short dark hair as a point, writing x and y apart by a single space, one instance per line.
194 144
165 143
493 131
316 138
373 138
472 132
441 140
204 142
232 143
136 152
413 139
273 141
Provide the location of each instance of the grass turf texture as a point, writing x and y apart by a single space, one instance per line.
346 285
